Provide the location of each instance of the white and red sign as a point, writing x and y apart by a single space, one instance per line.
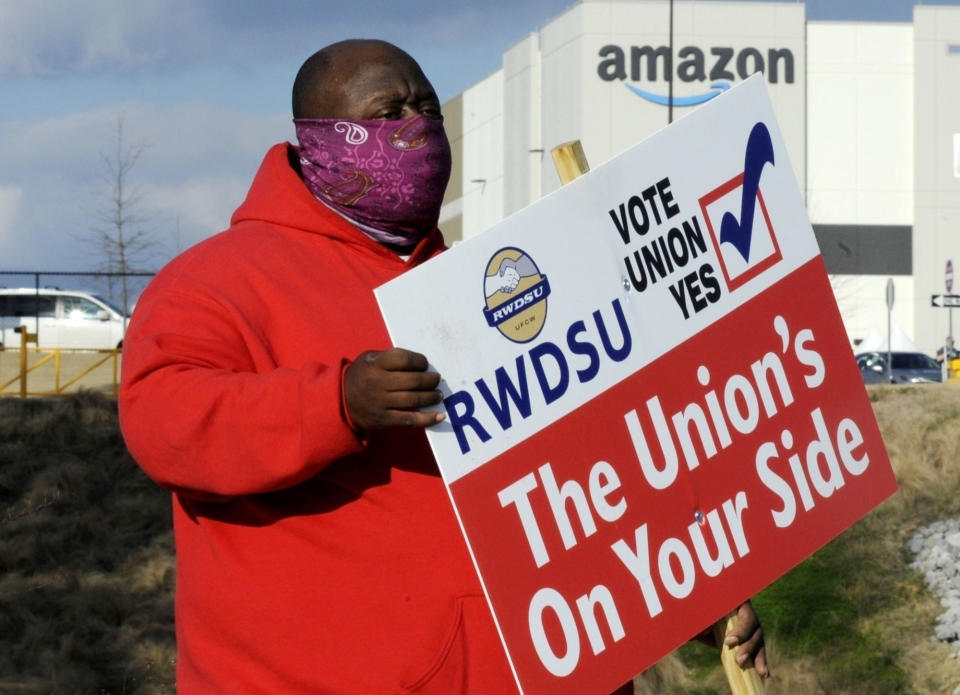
652 408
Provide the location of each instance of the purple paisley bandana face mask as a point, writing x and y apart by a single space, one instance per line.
387 176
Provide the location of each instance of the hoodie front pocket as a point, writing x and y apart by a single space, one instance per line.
471 659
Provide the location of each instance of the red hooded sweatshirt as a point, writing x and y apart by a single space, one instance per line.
308 560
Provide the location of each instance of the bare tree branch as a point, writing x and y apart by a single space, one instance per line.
120 238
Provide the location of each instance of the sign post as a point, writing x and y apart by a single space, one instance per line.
946 301
890 297
644 427
948 283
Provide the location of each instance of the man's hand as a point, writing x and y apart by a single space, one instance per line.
748 634
386 389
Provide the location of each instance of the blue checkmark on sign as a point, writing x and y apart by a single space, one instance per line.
759 153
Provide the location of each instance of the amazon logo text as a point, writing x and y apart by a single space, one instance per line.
720 65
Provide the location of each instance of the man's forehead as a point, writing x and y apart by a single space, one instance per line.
383 74
379 71
360 55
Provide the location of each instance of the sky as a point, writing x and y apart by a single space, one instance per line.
202 89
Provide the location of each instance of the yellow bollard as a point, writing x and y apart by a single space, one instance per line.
116 370
25 338
953 370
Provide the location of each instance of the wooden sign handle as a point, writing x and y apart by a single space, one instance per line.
570 162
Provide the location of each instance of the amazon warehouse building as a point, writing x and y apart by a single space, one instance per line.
869 111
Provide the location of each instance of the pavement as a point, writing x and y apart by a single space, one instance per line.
76 366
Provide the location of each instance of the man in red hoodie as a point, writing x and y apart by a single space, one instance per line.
317 551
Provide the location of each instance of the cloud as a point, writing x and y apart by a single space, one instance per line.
10 197
198 207
195 169
50 37
60 37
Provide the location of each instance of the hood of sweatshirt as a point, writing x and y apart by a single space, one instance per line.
279 197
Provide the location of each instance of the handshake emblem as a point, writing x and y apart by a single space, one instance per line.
515 294
508 275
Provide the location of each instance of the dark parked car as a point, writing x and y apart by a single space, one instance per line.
908 368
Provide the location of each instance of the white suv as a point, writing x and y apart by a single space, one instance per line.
68 318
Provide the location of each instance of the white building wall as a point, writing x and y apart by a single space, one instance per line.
860 151
523 150
936 231
483 179
562 59
860 123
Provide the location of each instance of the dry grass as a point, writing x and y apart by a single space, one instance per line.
86 567
86 555
668 675
921 428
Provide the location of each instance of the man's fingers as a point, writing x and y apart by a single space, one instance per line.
760 664
746 624
399 360
411 400
412 418
748 635
411 381
749 647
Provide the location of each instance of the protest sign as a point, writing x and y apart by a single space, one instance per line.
652 407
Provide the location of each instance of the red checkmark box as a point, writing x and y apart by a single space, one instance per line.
765 251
